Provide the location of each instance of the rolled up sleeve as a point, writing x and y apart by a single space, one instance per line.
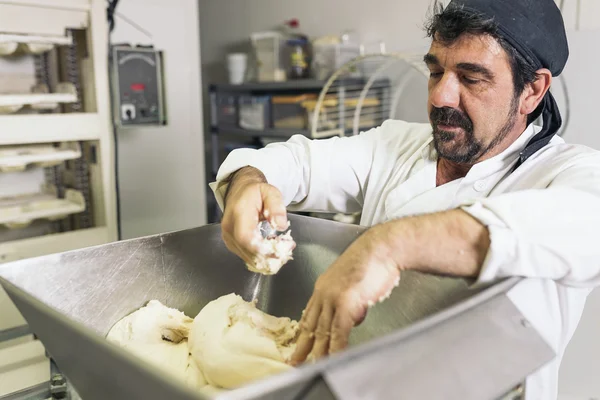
549 233
503 244
276 162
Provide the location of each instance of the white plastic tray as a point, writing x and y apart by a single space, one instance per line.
29 44
40 99
19 212
18 158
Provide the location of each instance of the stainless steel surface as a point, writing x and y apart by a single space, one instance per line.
487 338
71 300
98 286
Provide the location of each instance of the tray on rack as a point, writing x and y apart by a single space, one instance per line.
18 158
11 44
39 100
20 211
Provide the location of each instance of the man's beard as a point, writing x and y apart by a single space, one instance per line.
470 149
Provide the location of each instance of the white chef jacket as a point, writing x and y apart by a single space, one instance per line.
543 218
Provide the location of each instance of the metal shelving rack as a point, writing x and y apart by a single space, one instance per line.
81 63
221 133
87 121
292 87
264 88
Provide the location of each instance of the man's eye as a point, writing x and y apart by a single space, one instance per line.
435 74
470 81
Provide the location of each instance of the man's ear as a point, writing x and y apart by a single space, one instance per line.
535 91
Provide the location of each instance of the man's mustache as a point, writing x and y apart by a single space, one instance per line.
450 117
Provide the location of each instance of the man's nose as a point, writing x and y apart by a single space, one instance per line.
445 92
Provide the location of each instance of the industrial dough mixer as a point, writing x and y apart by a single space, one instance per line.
435 337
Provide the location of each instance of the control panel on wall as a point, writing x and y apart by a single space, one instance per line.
138 91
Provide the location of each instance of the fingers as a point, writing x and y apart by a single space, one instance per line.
241 252
238 235
243 213
240 221
322 333
325 328
273 208
306 339
340 330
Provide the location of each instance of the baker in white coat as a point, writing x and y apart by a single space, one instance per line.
479 192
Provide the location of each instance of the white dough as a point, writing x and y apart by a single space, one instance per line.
273 252
157 334
152 324
230 343
235 343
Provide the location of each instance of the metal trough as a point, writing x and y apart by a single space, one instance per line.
433 338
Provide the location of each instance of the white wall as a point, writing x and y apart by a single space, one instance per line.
579 374
226 25
161 169
580 74
580 368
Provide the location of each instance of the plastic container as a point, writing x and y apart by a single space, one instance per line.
289 112
227 110
254 112
332 52
268 52
298 51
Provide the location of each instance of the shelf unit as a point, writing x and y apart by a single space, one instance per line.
267 133
294 86
61 23
298 88
225 118
218 128
61 126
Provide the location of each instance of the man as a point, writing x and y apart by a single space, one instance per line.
479 192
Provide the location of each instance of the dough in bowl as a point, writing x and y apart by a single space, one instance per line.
234 343
229 344
158 335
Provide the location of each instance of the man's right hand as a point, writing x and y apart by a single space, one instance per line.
249 200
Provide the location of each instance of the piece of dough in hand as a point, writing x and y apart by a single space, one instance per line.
272 252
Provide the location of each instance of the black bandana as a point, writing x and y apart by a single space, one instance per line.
535 28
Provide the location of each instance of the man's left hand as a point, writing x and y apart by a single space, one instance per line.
360 277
